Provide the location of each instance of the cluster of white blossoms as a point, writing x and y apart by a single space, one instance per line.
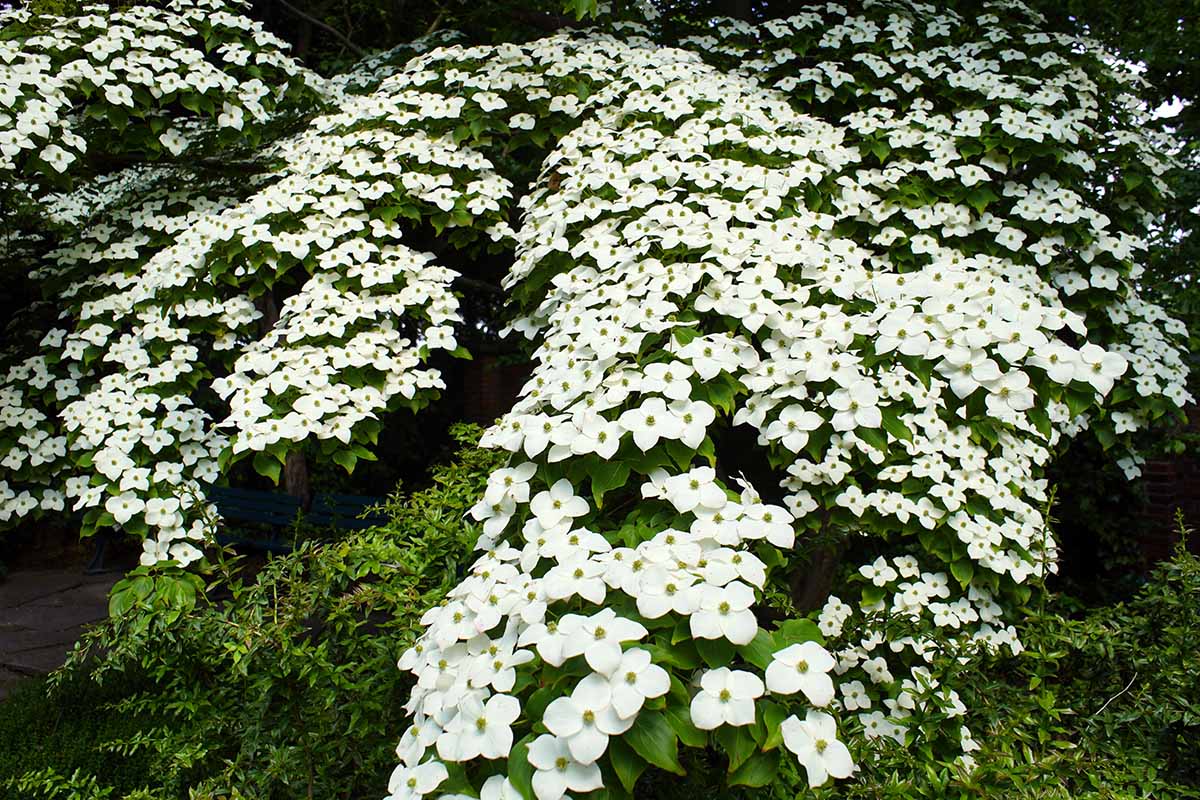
906 305
884 262
171 288
73 84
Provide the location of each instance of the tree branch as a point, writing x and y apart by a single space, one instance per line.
551 23
341 37
108 161
464 282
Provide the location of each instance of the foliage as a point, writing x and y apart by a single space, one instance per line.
813 303
48 736
285 685
1102 704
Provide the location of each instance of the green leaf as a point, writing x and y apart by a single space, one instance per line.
653 738
680 453
715 652
177 592
142 586
893 425
625 762
346 460
963 571
684 334
795 631
773 716
119 603
1079 401
1040 420
873 436
680 720
721 391
737 742
758 770
760 650
879 149
980 197
267 466
581 8
606 476
872 594
520 771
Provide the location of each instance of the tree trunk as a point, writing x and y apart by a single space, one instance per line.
295 479
811 587
295 468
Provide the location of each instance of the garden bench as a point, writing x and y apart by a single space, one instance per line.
278 510
275 510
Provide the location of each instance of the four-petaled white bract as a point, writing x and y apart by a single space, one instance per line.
907 307
726 697
815 743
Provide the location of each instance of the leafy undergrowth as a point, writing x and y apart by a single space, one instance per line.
289 688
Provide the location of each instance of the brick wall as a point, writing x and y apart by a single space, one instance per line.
1172 483
491 386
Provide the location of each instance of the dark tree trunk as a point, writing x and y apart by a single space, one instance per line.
812 585
295 469
295 479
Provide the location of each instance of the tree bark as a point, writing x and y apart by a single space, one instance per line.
811 587
295 468
295 479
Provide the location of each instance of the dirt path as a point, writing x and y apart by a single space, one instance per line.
42 613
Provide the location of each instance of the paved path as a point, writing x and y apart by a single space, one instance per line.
42 613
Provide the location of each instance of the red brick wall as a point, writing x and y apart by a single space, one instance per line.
1172 483
490 387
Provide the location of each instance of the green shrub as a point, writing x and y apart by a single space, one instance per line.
49 735
286 685
1103 704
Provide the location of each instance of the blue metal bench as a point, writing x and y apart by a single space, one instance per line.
278 510
275 510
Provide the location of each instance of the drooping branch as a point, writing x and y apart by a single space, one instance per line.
113 161
341 37
471 283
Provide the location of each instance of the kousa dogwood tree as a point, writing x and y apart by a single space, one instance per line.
812 305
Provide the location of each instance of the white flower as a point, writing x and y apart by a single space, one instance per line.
124 507
154 551
857 406
695 488
725 612
651 421
599 639
558 771
511 483
480 729
559 503
726 697
1100 367
586 719
185 553
854 695
499 787
635 680
804 668
408 783
793 426
815 743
